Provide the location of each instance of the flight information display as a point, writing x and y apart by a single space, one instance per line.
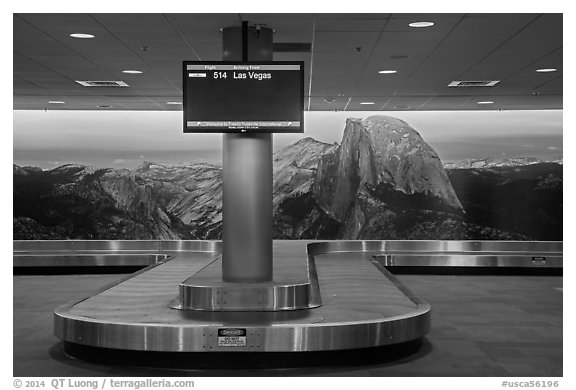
225 96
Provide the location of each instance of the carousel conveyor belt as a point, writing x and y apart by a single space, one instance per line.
360 304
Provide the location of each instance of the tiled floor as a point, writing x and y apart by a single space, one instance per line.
481 326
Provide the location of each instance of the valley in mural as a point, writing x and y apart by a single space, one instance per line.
382 181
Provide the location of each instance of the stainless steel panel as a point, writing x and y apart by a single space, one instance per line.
452 253
247 208
317 248
79 253
291 289
247 179
438 246
470 260
115 246
474 246
86 260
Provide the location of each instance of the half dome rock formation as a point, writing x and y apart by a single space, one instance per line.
296 211
381 167
294 168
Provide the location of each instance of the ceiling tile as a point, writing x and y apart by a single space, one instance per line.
348 51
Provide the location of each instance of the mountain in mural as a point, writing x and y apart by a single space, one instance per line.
381 182
190 193
75 201
524 199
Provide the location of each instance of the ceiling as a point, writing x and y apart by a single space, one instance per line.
342 52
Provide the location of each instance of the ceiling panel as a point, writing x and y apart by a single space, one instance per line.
550 87
341 37
33 45
329 103
542 36
39 75
348 51
464 55
443 23
350 25
205 23
405 103
352 16
355 103
159 46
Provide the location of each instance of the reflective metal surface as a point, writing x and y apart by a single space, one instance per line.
114 246
401 253
294 287
80 253
453 253
471 260
363 306
247 177
86 260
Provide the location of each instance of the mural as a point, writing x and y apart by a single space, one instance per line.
382 180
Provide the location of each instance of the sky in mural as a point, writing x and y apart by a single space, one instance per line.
124 139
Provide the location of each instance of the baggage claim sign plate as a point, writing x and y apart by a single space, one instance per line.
232 337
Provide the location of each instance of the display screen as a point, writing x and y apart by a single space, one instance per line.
224 96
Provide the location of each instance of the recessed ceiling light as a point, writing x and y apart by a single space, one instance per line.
486 102
421 24
546 70
104 106
389 71
367 103
173 102
56 102
82 36
132 71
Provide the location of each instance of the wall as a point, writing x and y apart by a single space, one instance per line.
442 175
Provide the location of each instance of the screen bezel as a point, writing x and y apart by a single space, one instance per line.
296 130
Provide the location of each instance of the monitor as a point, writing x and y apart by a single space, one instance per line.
228 96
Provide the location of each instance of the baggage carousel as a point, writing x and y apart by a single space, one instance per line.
343 297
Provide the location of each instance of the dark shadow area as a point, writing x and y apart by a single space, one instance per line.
261 317
58 354
239 363
397 270
446 270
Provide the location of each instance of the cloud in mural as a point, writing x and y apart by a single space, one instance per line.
39 138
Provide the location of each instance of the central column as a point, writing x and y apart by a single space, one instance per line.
247 177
